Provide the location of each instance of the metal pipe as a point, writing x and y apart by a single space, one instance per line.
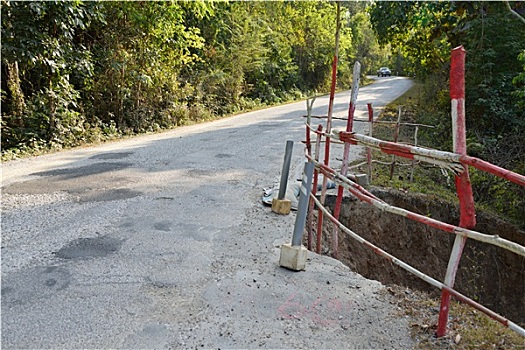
304 196
286 169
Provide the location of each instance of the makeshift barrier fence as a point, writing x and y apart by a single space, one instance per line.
456 162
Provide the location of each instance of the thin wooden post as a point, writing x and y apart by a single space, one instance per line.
314 192
463 186
368 149
309 106
413 160
332 89
329 118
396 136
346 153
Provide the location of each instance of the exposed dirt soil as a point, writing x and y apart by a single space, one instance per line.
488 274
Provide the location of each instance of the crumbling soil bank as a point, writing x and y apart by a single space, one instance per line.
490 275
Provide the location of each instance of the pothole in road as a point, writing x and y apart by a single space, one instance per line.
89 248
84 180
92 169
488 274
223 155
108 195
30 285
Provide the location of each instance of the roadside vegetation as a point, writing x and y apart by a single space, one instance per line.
495 81
492 34
80 72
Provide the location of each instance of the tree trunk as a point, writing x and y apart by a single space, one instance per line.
52 113
17 96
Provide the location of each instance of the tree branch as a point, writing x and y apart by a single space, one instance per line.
514 12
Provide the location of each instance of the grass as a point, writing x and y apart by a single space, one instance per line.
467 328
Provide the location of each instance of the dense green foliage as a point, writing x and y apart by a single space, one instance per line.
78 71
426 32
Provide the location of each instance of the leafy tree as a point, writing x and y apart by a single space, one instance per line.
76 71
314 26
365 48
493 37
264 50
491 66
40 55
421 30
519 82
139 63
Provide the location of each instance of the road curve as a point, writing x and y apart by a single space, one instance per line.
161 241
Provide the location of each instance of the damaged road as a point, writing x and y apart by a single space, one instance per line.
161 241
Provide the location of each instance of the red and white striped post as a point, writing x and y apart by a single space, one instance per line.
463 186
329 121
368 149
344 168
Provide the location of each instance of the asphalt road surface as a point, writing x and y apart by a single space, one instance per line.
161 241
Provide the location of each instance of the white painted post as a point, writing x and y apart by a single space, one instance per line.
464 189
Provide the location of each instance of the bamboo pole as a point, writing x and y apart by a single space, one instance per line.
368 149
413 160
396 135
330 113
464 189
509 324
346 153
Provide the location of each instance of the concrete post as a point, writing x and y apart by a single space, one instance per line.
293 256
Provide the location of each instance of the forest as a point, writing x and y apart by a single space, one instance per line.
76 72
